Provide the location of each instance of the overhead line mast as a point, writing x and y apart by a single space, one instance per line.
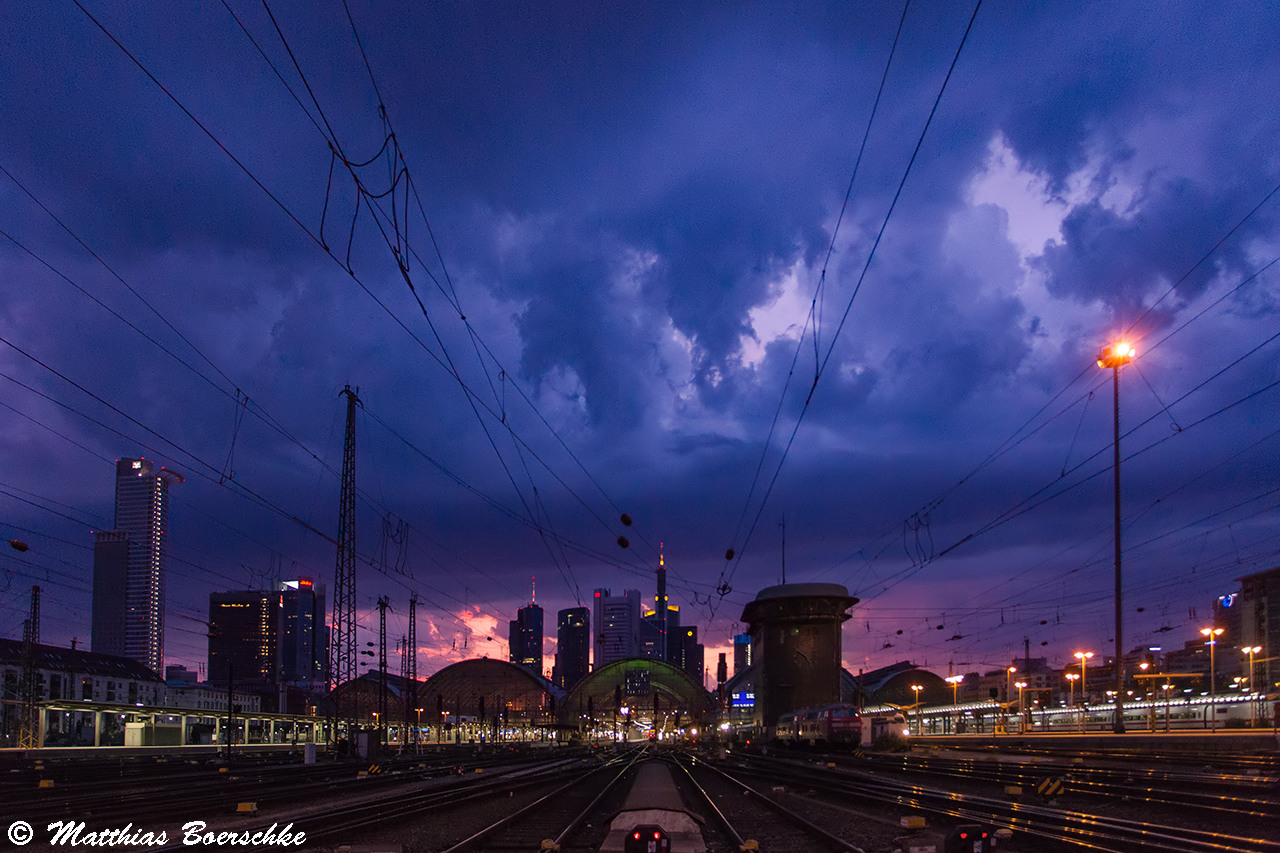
342 648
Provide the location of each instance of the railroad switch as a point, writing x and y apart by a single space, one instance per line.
549 844
45 783
911 821
247 808
749 846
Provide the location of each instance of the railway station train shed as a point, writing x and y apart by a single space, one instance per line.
891 685
634 695
486 690
358 699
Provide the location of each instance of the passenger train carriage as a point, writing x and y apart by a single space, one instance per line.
832 724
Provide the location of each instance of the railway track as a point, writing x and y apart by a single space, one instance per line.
1067 829
562 817
744 824
1212 795
201 790
360 817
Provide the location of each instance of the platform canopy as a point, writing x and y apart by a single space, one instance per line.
633 684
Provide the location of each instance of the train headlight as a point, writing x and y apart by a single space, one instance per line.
906 732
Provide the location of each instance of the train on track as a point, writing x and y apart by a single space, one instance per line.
834 724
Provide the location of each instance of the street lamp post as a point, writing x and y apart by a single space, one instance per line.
1253 694
417 733
1022 714
919 720
954 681
1212 635
1008 688
1084 658
1167 690
1114 357
1071 678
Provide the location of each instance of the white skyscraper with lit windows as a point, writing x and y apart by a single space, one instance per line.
129 566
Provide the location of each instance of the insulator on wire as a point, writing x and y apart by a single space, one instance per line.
623 543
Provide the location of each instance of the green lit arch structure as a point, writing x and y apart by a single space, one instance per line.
634 682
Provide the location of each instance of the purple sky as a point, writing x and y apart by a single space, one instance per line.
633 207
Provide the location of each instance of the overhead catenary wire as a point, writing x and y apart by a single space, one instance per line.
243 167
821 367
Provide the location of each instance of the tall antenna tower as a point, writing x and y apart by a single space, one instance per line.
342 646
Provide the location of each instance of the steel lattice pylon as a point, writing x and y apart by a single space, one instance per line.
342 646
29 727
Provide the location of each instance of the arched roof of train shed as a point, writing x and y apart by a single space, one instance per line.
635 681
459 688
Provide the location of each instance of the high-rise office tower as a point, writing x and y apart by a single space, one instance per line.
244 638
741 652
573 647
658 637
262 638
689 653
660 607
616 623
524 639
129 566
304 642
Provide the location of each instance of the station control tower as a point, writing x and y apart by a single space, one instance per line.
795 646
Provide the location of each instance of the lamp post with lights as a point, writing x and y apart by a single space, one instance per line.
1115 356
1022 713
919 720
954 681
1008 688
1253 694
1084 658
1071 678
1211 637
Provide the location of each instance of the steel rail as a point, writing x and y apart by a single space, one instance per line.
508 820
803 822
1134 784
331 819
1071 827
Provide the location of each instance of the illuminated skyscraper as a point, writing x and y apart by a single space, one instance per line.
615 619
263 638
573 647
524 641
129 566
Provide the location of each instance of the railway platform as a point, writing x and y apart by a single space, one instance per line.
654 805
